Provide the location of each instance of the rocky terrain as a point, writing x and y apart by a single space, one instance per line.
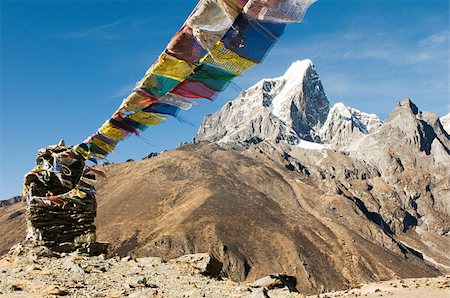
38 272
399 288
279 182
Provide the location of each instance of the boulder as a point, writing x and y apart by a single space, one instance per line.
203 263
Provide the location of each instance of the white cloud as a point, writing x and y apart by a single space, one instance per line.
103 32
122 29
435 39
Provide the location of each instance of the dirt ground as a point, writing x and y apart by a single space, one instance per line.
438 287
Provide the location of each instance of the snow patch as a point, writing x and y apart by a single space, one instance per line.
297 70
311 145
445 121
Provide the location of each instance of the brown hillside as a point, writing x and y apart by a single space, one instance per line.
249 210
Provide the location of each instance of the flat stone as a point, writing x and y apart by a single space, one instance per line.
145 293
149 261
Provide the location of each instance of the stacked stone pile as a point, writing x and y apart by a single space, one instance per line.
62 228
61 202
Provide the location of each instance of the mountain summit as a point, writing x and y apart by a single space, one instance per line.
290 108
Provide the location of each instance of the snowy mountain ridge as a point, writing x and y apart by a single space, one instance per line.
364 121
293 108
345 125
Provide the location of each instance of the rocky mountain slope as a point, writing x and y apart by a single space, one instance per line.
276 182
252 213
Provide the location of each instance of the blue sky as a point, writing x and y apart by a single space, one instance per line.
66 66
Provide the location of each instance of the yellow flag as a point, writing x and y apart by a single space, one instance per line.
86 155
147 118
225 58
135 102
77 193
110 131
171 67
103 145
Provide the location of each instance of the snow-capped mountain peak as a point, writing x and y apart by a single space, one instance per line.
341 110
292 81
290 107
297 70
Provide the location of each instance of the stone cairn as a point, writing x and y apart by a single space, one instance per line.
61 202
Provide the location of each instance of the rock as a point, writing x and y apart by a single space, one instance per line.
276 281
258 293
149 261
73 267
56 291
412 151
283 293
145 293
139 282
14 288
11 201
203 263
345 125
151 155
445 120
194 294
126 259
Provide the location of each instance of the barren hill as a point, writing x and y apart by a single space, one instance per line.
252 213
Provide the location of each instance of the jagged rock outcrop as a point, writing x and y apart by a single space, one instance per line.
346 125
412 152
289 108
409 152
11 201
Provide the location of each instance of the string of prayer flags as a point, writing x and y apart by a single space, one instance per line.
219 41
